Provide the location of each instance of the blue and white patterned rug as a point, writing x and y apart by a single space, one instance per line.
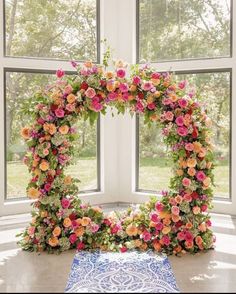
130 272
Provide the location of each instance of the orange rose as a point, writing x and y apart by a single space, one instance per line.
173 97
191 171
88 64
154 117
110 87
198 240
85 221
44 165
131 230
79 231
67 180
133 88
157 94
156 245
191 162
44 214
67 222
202 227
189 225
33 193
155 82
25 133
164 214
178 249
71 98
56 232
144 246
188 244
53 241
64 130
166 221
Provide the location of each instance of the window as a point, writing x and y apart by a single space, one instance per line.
154 167
184 29
20 86
51 29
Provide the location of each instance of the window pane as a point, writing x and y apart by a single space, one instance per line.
20 86
51 29
183 29
213 89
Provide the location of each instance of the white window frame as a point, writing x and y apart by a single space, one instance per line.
118 134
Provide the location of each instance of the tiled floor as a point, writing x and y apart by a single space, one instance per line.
214 271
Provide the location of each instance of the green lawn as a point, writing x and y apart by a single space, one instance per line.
153 175
18 176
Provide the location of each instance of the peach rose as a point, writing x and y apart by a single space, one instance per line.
110 87
44 214
67 222
50 128
64 130
56 232
25 133
191 162
166 230
175 218
188 244
202 227
67 180
79 231
143 246
196 210
157 94
178 199
71 98
33 193
197 146
44 165
179 172
109 75
137 243
198 240
191 171
85 221
53 241
207 181
131 230
202 152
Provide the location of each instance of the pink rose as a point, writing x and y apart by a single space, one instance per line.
159 226
139 107
189 147
166 101
204 208
136 80
156 75
181 236
31 231
182 84
169 115
182 131
188 198
186 182
180 121
123 249
60 73
73 238
107 222
90 93
80 246
200 175
47 187
94 228
154 217
147 86
208 223
68 89
175 210
112 96
115 229
146 236
65 203
166 240
123 87
121 73
151 106
59 112
188 236
159 206
183 103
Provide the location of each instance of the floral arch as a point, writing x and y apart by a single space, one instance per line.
177 223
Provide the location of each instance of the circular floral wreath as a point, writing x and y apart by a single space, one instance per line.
177 223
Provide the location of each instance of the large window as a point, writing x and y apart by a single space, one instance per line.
176 33
183 29
20 87
51 29
154 167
